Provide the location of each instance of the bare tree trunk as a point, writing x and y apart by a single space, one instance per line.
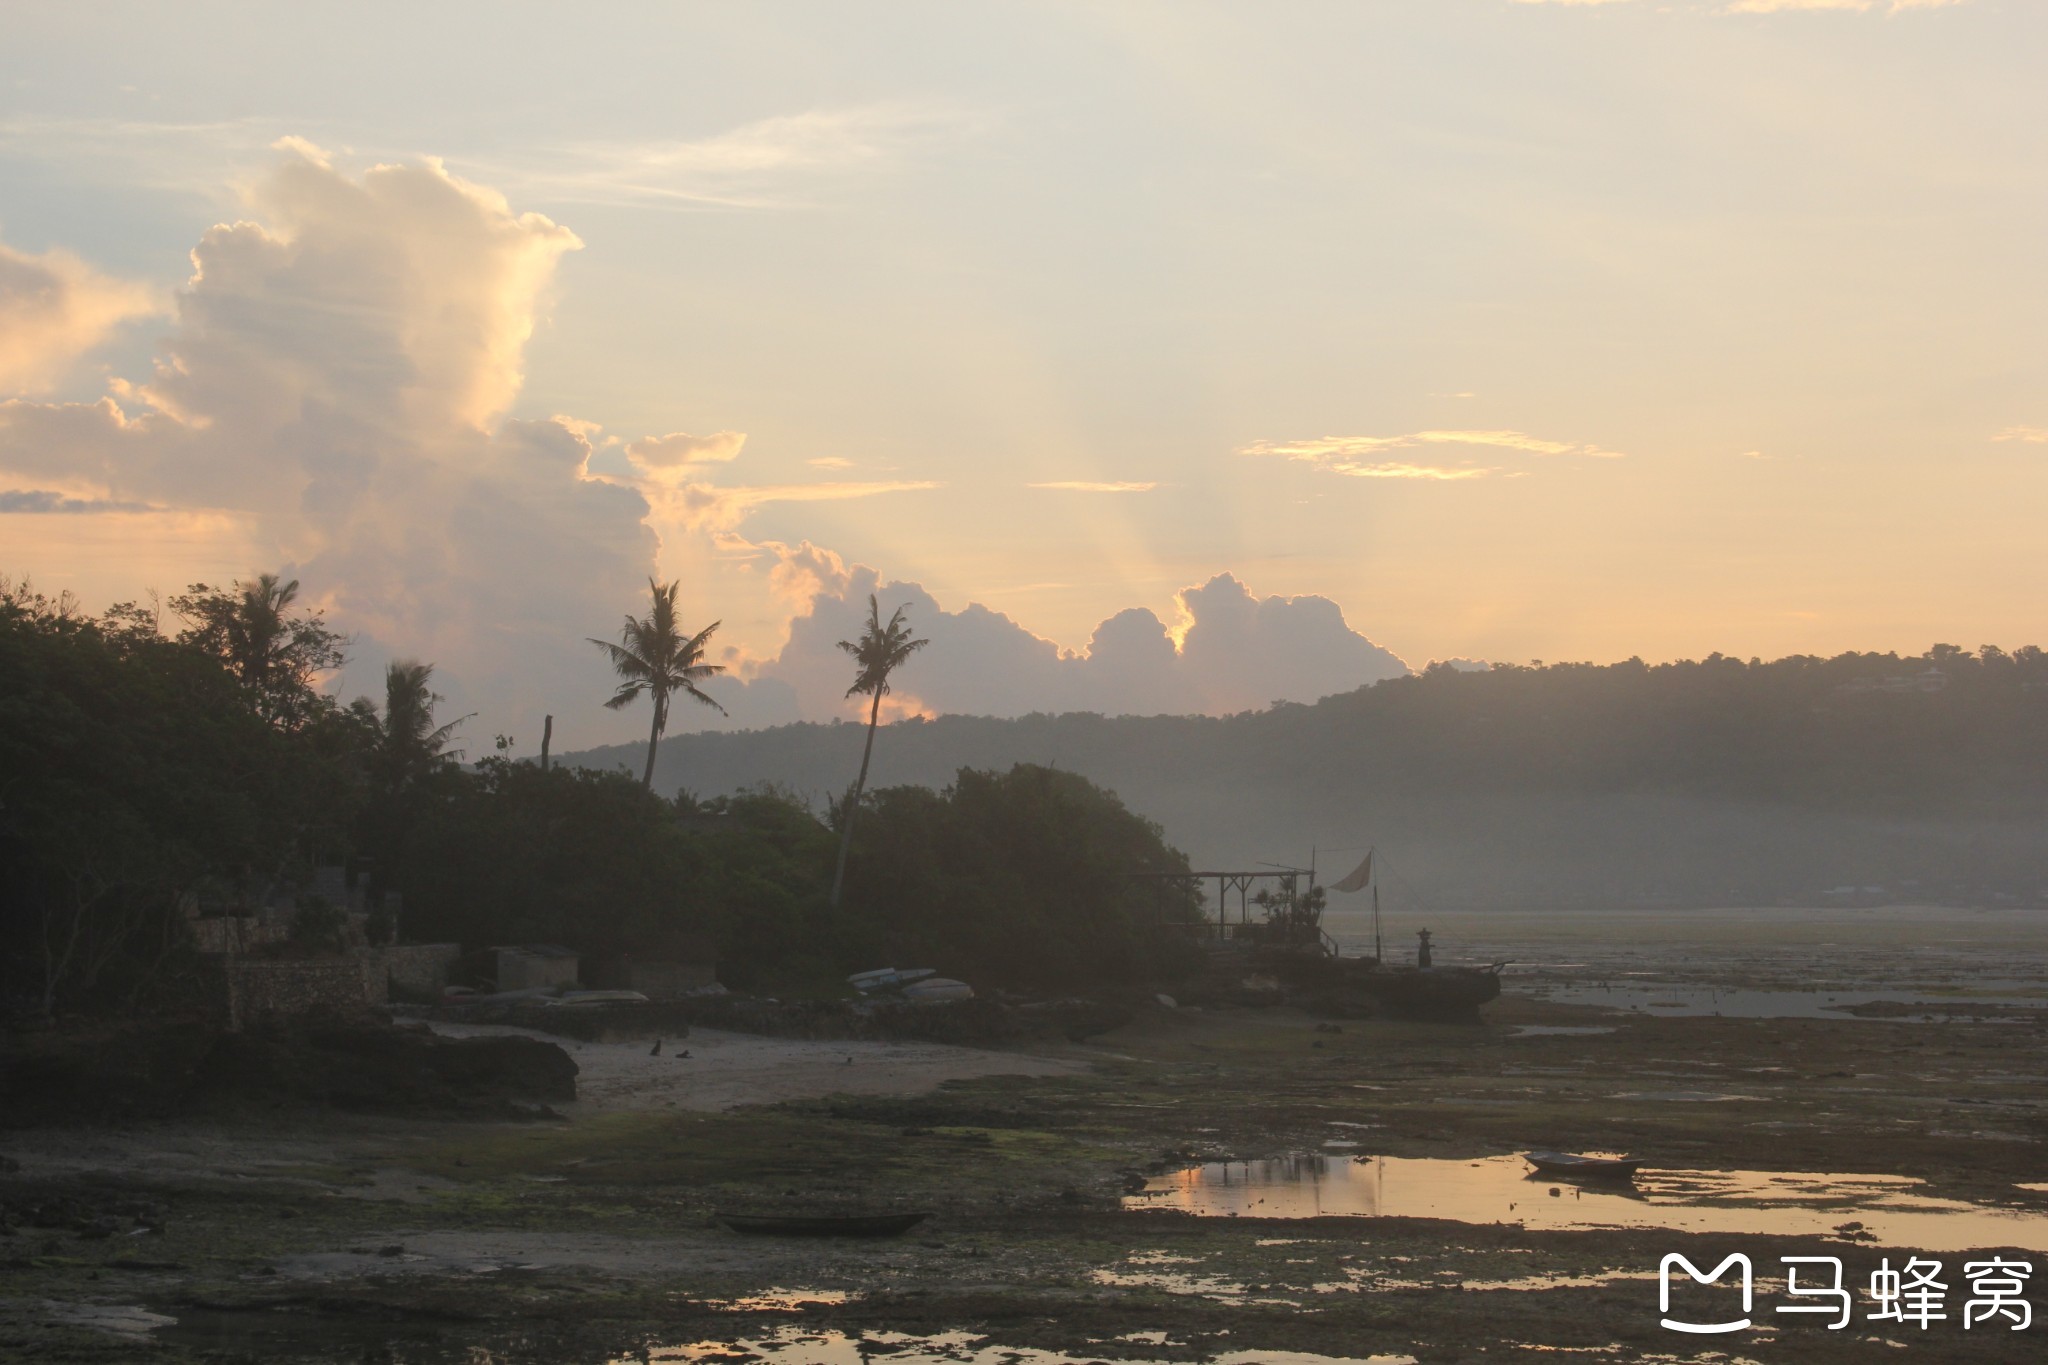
653 739
170 926
56 962
860 785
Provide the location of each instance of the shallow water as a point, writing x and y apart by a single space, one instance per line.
1892 1209
1674 1001
1932 953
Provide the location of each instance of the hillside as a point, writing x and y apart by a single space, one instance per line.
1699 781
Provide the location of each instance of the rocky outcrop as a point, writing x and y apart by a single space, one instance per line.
152 1071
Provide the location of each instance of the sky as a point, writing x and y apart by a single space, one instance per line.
1159 357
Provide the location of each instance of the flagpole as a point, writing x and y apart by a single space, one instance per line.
1379 950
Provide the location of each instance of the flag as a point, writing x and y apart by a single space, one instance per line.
1360 878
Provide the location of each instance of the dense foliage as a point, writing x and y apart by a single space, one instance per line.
138 773
144 777
1024 877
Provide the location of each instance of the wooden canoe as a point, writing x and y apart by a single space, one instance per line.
1571 1164
822 1224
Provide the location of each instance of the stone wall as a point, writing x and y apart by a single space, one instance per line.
416 970
258 989
667 980
236 933
521 970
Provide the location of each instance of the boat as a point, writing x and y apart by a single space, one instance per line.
822 1224
888 978
937 990
1570 1164
574 999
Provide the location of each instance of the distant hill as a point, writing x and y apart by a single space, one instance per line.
1709 781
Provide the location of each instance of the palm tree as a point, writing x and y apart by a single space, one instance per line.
880 650
654 657
258 638
275 655
410 743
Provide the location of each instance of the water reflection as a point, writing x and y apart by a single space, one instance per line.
1890 1210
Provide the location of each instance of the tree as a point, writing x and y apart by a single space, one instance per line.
276 656
136 779
1021 880
408 743
880 651
654 657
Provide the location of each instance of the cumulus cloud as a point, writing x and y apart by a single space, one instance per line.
1360 457
334 384
54 308
2032 435
336 376
1228 650
680 448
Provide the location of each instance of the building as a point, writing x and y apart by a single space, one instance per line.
529 966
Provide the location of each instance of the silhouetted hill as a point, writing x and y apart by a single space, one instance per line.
1696 781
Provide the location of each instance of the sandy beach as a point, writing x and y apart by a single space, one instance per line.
713 1070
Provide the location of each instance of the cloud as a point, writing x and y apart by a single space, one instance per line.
1784 6
1356 456
754 166
1228 651
335 380
2031 435
54 308
1085 486
334 385
681 448
1855 6
830 462
712 507
1394 469
45 501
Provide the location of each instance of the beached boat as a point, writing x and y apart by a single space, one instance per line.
1584 1167
822 1224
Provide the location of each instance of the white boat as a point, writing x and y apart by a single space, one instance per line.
886 978
934 990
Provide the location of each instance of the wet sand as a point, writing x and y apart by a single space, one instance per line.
594 1239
